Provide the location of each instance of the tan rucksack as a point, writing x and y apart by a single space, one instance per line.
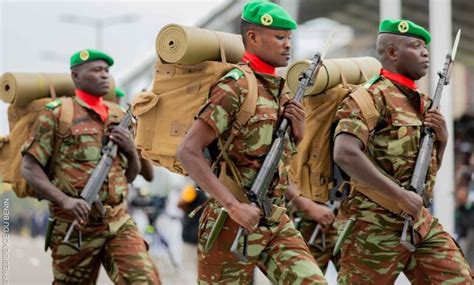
312 168
21 121
165 113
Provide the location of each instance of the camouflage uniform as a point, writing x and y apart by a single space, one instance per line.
276 248
114 240
306 227
373 253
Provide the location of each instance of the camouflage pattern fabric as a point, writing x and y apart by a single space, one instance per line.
79 153
306 227
250 146
113 241
277 249
117 245
373 252
394 145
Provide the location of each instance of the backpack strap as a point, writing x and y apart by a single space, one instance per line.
221 47
247 110
66 114
249 105
361 68
366 105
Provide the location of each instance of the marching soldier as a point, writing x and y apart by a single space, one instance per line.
112 240
381 165
274 245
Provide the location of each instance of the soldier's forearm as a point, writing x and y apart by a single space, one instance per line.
39 181
198 169
440 147
349 156
134 166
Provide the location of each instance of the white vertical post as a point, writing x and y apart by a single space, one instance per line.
390 9
292 7
441 43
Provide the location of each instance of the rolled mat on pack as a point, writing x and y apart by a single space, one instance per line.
5 154
354 70
190 45
19 89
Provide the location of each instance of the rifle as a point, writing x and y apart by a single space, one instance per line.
423 159
90 193
258 192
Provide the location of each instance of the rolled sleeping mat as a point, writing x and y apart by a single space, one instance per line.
19 89
189 45
355 70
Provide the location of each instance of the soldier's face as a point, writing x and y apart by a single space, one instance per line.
92 77
412 58
273 46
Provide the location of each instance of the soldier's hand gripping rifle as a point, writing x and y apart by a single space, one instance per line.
423 159
258 192
90 193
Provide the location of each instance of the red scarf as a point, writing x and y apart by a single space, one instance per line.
257 64
96 103
398 78
404 81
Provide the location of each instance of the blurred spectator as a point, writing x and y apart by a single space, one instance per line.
464 192
39 221
190 199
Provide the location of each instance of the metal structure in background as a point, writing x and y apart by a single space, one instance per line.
98 24
441 28
363 16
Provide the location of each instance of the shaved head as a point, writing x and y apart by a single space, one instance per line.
403 54
385 40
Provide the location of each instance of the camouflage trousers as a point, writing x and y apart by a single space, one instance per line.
321 255
372 253
117 245
278 250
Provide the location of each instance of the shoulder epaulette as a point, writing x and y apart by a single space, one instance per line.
235 74
53 104
371 81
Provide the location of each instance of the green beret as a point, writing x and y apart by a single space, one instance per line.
119 92
404 28
88 55
268 14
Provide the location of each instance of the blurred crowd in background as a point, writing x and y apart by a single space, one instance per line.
464 192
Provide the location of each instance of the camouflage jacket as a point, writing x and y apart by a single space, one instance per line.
251 145
79 152
393 145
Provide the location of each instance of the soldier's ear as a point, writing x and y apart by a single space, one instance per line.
391 52
252 36
75 73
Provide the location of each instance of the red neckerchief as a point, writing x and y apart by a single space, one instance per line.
257 64
398 78
403 81
96 103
